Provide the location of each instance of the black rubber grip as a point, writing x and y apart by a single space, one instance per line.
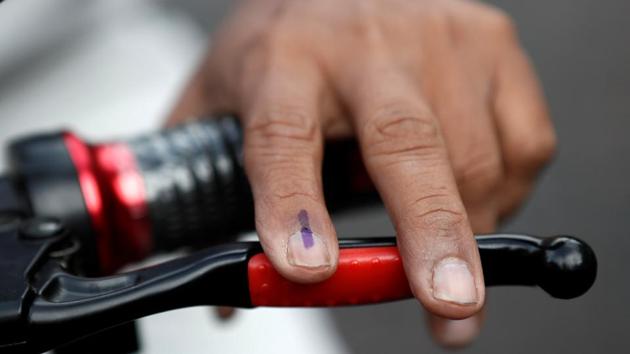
196 189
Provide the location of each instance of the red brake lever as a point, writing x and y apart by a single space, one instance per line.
364 275
371 271
45 306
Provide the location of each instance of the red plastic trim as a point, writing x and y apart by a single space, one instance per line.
82 159
114 196
126 198
364 275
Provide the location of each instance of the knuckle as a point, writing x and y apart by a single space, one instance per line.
501 23
292 190
481 171
278 35
363 26
437 19
288 180
402 134
535 152
278 156
283 177
365 15
270 42
282 125
440 212
264 51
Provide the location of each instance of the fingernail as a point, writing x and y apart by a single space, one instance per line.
305 248
453 282
457 333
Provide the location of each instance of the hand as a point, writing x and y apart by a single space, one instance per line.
447 110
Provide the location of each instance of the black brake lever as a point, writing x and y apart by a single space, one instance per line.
43 305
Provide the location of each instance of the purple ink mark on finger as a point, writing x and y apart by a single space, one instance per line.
303 219
307 237
307 233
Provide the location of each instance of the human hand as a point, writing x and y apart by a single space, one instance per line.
447 110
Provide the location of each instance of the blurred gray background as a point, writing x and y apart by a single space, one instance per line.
582 53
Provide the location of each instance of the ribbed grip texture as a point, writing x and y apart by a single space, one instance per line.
196 190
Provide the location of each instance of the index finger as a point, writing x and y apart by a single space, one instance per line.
406 157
